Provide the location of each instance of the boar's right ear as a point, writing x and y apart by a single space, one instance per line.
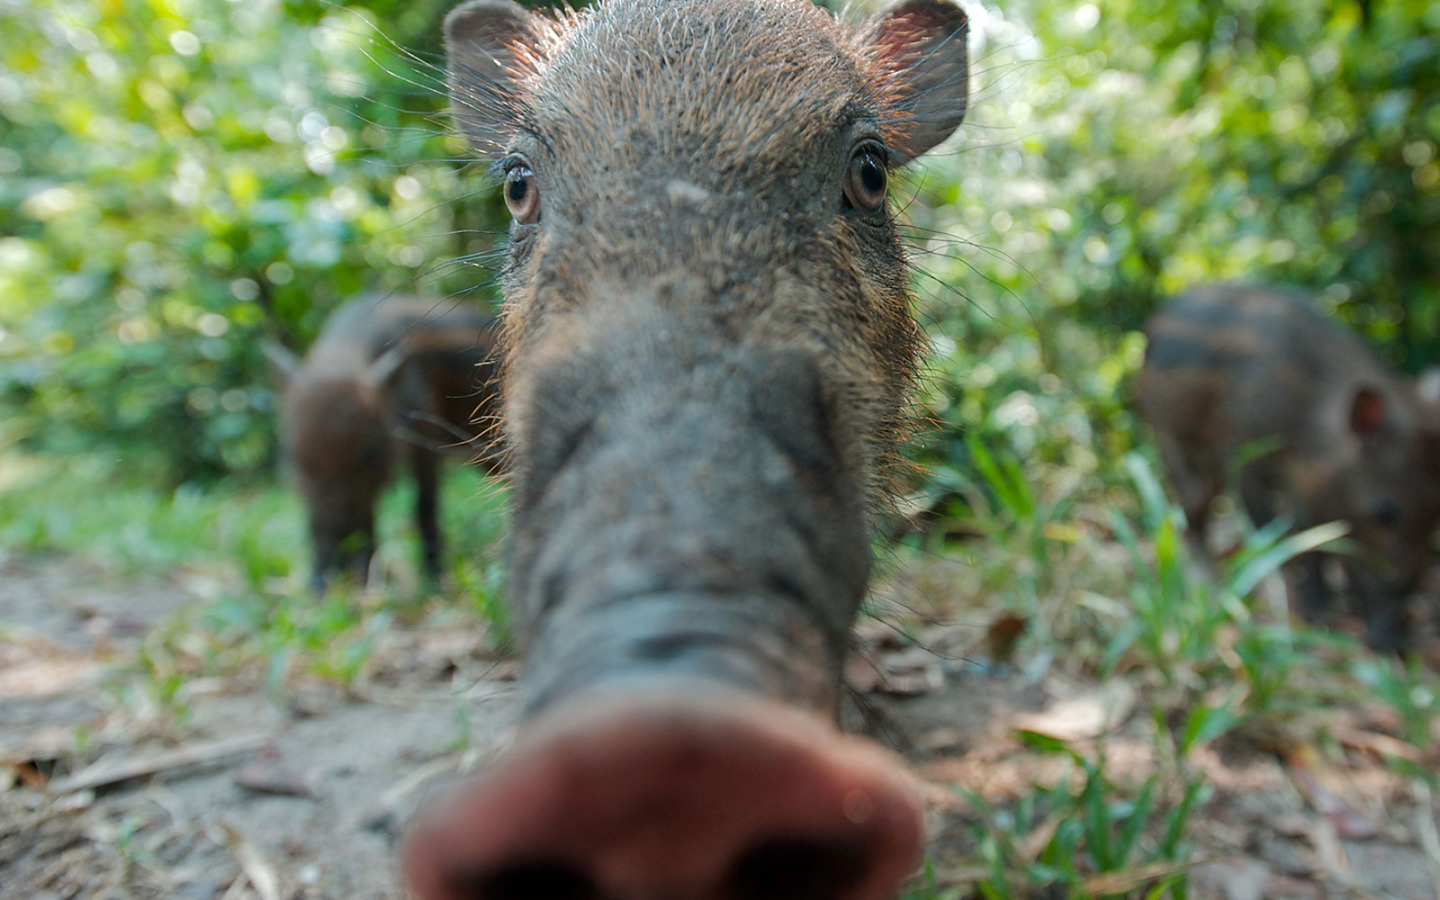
1367 412
283 363
921 46
1427 386
489 45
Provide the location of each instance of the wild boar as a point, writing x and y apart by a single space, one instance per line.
389 379
1339 436
709 350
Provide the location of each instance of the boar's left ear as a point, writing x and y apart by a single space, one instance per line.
489 45
383 367
1367 412
921 45
283 363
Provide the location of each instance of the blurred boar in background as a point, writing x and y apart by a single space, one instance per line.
709 350
388 380
1336 435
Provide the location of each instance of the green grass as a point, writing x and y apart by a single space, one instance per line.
87 507
1119 594
1091 832
249 543
1103 573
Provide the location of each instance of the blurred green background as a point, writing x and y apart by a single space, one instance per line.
179 178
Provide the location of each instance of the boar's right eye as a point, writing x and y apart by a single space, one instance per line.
865 178
522 196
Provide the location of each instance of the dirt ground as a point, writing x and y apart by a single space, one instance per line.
104 796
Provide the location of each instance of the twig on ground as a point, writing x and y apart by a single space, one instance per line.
110 772
255 866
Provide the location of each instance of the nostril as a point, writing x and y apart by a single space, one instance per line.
796 869
526 881
685 795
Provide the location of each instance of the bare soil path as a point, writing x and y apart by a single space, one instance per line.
104 794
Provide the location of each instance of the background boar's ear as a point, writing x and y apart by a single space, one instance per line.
921 45
283 363
1427 386
383 367
489 46
1367 412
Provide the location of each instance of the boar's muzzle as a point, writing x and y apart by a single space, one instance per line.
684 513
675 796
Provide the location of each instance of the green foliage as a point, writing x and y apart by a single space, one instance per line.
94 507
179 177
1181 611
1205 651
1121 151
1115 154
183 177
1408 689
1084 833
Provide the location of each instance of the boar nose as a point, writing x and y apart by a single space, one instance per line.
664 797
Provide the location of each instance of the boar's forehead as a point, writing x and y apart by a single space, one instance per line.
710 91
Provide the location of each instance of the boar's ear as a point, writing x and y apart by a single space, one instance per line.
489 46
1427 386
283 363
920 45
383 367
1367 412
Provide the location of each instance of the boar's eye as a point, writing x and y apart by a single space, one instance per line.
865 178
522 196
1387 514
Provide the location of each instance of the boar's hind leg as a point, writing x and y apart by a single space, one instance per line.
1197 483
1311 593
427 509
1386 627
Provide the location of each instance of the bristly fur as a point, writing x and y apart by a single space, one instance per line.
633 86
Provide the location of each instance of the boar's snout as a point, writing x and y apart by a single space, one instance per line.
669 797
685 509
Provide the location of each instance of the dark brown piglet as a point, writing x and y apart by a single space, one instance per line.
1335 434
709 353
389 380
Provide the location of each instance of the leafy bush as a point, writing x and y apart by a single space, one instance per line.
182 177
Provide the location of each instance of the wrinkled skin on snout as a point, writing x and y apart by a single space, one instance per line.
1332 434
389 381
709 349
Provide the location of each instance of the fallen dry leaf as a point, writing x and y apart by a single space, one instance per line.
1237 878
1086 715
1377 745
46 677
1003 636
904 672
914 670
1326 841
253 863
1127 880
1318 785
45 744
268 774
